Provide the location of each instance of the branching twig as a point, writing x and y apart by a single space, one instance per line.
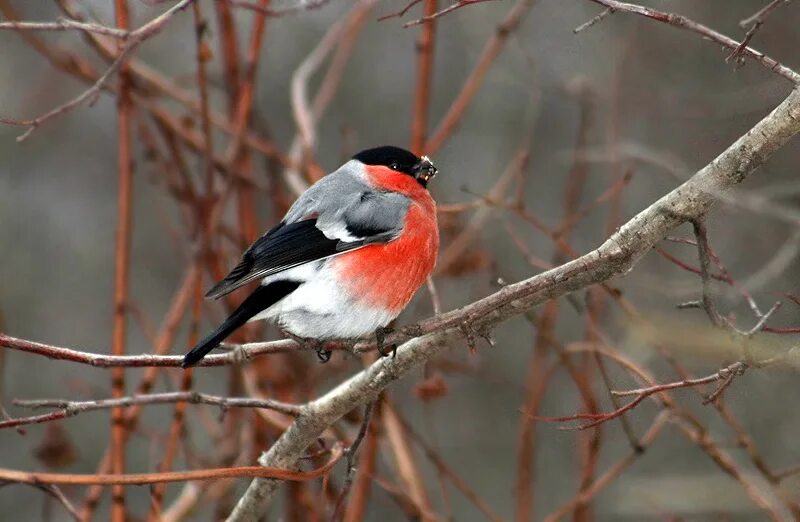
71 408
706 32
614 257
132 41
433 16
757 20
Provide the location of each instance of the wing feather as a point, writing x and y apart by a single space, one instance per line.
351 216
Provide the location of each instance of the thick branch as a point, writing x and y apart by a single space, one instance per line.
617 255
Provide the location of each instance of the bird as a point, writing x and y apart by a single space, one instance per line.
345 260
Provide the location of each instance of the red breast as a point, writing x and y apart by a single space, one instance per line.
388 275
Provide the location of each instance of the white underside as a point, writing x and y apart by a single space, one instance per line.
320 309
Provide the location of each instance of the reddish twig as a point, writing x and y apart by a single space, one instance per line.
179 414
422 89
162 343
724 376
131 43
473 82
135 479
122 260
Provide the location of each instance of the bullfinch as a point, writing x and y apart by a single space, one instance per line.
347 257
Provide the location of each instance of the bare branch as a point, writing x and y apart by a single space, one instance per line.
26 477
690 25
65 24
618 254
133 40
71 408
446 10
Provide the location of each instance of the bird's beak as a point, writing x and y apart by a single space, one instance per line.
424 170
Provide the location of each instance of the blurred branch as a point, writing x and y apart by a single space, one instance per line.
761 15
613 472
350 456
26 477
131 42
424 83
122 253
470 87
430 17
71 408
53 491
344 32
616 256
739 48
65 24
300 5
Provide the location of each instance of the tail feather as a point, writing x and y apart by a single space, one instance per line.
261 299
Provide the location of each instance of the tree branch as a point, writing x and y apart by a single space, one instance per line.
71 408
616 256
128 479
738 48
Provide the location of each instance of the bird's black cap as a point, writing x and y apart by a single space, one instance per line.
399 159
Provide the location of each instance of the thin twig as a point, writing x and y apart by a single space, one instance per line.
705 266
55 492
605 12
350 456
68 408
428 18
706 32
133 40
135 479
65 24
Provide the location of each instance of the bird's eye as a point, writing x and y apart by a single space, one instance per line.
394 165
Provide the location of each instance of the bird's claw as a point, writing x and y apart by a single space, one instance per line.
322 354
380 337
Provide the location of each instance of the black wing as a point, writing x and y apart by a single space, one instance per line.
285 246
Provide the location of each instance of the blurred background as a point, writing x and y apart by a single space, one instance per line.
628 102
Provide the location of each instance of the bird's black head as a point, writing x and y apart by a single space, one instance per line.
400 160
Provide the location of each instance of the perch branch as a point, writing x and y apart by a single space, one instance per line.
616 256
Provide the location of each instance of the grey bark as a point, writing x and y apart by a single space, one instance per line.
616 256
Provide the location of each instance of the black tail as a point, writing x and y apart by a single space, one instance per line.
261 299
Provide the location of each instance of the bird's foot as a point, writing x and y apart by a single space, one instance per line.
323 354
380 337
